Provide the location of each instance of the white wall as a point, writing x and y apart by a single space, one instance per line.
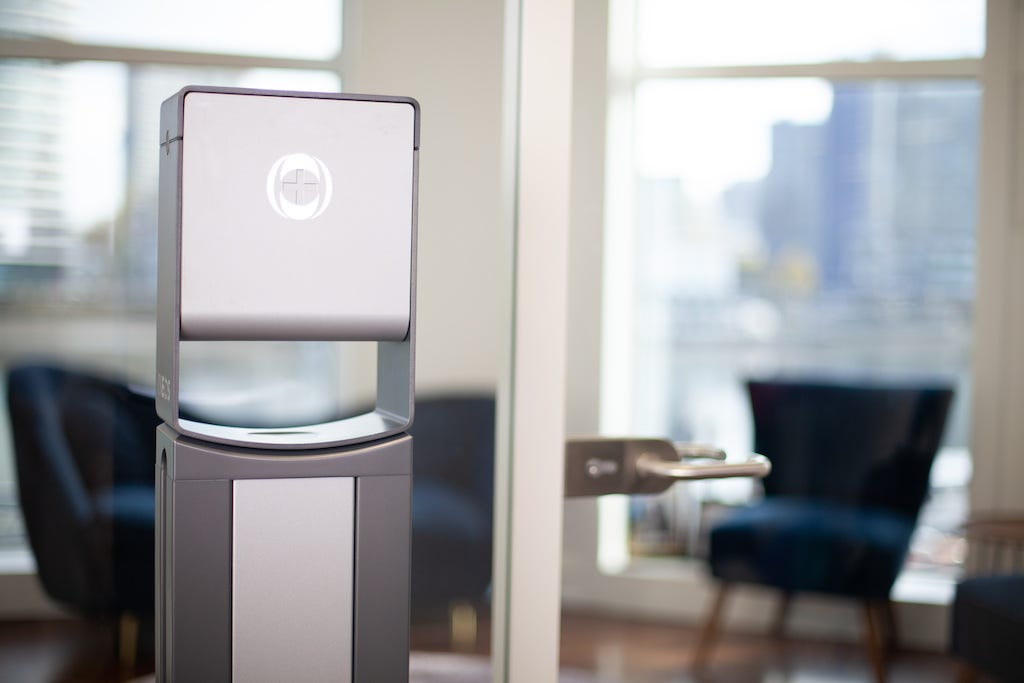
448 54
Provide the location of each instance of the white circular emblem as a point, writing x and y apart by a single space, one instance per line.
299 186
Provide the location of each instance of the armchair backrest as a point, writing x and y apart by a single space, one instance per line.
453 440
76 437
863 445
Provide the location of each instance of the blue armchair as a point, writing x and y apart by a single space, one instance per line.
850 472
988 610
84 454
452 501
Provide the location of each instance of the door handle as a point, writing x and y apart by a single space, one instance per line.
756 466
600 466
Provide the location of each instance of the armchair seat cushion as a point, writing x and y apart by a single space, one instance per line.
815 546
988 624
444 510
129 505
129 513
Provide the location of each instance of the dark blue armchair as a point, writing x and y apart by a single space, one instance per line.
988 611
850 472
84 453
452 501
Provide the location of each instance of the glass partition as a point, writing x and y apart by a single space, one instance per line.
78 186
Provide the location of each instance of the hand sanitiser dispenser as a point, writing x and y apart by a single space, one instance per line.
283 554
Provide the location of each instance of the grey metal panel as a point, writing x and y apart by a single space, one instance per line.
163 443
198 460
292 580
180 97
199 590
168 263
396 362
171 111
323 204
383 535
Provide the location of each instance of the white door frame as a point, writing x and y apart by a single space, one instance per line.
528 504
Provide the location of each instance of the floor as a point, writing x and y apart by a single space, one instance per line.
638 652
593 649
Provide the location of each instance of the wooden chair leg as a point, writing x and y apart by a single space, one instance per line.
462 621
128 641
965 673
781 614
709 633
892 632
873 639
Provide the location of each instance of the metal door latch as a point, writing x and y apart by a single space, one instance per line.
600 466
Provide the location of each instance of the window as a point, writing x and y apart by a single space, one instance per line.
686 33
80 92
802 204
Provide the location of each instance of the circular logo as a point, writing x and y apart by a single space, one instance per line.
299 186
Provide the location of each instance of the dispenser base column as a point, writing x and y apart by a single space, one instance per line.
279 567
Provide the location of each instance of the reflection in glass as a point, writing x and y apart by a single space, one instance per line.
78 202
78 191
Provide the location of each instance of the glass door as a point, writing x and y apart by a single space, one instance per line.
83 87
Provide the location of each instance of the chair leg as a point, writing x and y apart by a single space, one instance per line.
781 613
462 621
966 673
709 633
128 641
892 632
873 640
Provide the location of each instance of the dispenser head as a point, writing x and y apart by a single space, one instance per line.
288 216
296 217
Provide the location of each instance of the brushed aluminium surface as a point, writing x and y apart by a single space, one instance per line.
293 561
248 272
